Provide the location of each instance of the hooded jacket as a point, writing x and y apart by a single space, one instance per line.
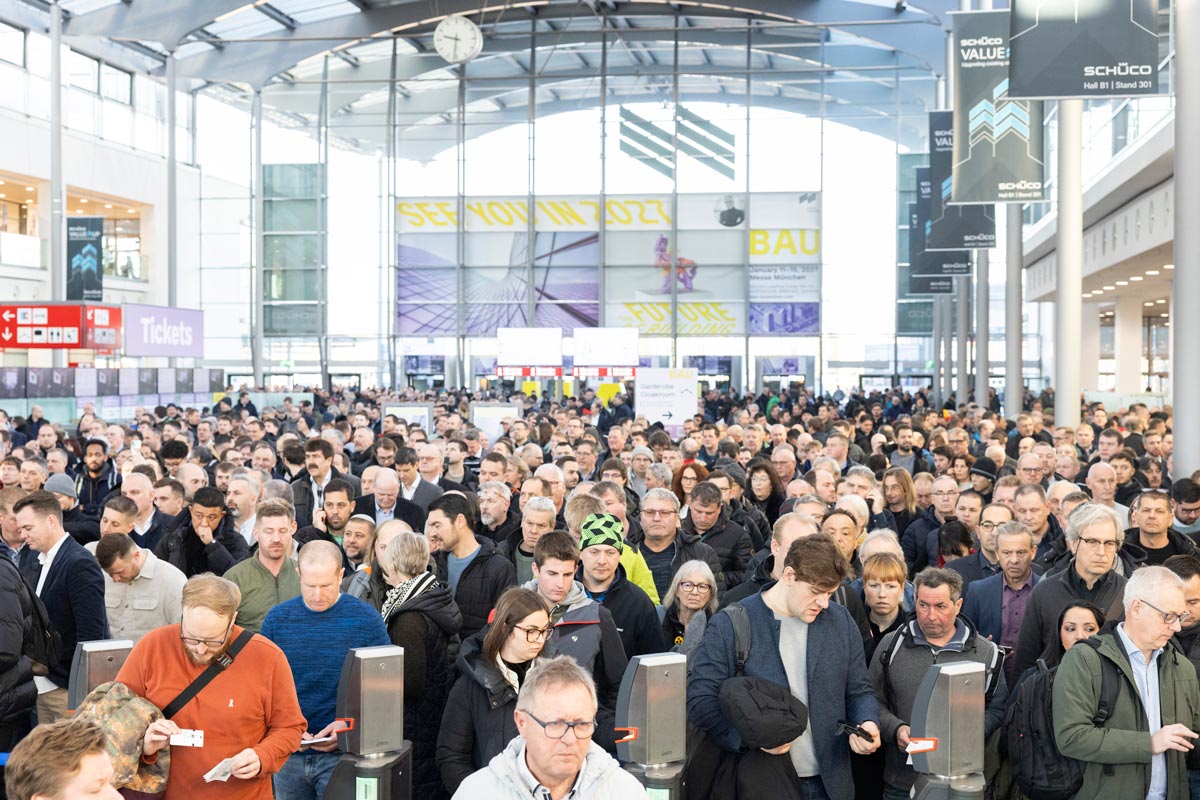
17 690
601 778
182 548
633 613
1118 756
731 543
480 585
1183 545
688 547
424 625
915 541
92 492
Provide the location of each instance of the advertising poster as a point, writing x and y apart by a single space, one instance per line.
931 284
997 142
85 243
1101 48
952 227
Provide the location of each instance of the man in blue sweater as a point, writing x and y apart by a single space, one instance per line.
315 631
801 640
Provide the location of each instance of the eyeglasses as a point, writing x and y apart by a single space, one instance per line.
558 729
944 494
987 526
1107 544
654 513
698 588
194 642
535 635
686 479
1170 617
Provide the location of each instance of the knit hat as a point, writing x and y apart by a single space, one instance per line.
733 470
643 451
61 484
984 466
602 529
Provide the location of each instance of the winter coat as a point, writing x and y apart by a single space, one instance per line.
477 721
92 492
915 541
753 520
602 778
1039 628
507 526
688 547
731 543
367 585
182 549
481 583
1117 756
424 626
633 613
17 690
82 526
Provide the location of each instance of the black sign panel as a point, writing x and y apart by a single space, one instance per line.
952 227
930 284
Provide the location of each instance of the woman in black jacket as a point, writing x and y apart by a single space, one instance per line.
693 594
421 617
478 723
766 490
18 694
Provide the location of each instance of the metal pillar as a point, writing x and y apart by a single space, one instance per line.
1014 263
172 189
1068 317
256 183
323 221
936 394
947 301
1127 345
58 260
1185 327
962 319
389 266
983 296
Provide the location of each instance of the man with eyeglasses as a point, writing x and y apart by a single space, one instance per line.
1142 749
249 712
1151 515
664 545
1093 536
554 755
1186 494
920 538
1030 470
983 563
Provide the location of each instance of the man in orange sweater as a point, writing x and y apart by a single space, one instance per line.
249 713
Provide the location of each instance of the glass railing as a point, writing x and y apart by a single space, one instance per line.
18 250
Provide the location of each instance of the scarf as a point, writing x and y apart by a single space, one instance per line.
397 596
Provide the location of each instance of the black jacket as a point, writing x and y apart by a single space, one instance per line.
481 584
302 491
732 544
753 521
92 492
424 626
160 523
17 690
406 510
182 549
688 547
510 523
82 526
1183 544
477 722
634 614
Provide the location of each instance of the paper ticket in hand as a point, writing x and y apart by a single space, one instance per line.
221 772
188 738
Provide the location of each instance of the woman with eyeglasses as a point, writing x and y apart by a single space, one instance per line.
766 489
684 480
688 604
478 721
422 617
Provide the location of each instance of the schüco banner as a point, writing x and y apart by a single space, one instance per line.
932 262
997 142
952 227
1101 48
85 244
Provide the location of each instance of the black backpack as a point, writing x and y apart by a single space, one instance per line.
1039 770
41 643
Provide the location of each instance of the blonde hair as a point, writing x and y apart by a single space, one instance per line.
220 596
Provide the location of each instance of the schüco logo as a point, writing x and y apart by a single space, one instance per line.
1016 186
982 41
1121 70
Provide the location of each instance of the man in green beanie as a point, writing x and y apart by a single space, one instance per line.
600 543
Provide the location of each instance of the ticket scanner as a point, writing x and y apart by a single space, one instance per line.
652 712
947 733
95 663
377 762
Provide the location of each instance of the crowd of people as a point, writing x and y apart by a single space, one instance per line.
810 555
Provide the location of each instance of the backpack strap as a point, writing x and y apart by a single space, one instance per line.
885 660
741 635
205 678
1110 685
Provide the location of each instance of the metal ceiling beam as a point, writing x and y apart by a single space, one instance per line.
167 22
271 12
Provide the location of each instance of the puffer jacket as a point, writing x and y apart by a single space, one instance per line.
477 721
424 625
601 778
181 548
17 690
481 583
732 544
752 521
1118 756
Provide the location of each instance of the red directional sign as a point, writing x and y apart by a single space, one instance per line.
102 332
44 327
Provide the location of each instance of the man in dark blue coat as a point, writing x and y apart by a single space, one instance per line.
796 634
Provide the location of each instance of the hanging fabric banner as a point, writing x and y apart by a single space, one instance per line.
1101 48
998 152
952 227
85 244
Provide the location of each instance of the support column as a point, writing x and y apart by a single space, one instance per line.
962 323
256 183
1067 317
1014 263
172 188
1127 342
1089 351
58 259
983 296
947 301
1185 368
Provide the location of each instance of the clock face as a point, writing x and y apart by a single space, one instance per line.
457 39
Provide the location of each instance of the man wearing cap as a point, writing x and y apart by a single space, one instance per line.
83 527
983 477
643 457
600 545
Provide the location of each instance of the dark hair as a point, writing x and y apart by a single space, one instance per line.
496 458
618 465
208 497
173 449
294 453
406 457
322 446
557 545
1186 567
339 485
707 493
43 503
113 546
1185 490
453 505
170 483
953 537
101 443
1054 652
514 605
122 505
817 561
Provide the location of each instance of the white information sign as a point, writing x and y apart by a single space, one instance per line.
489 416
668 396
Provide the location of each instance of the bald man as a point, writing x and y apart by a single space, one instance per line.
385 503
150 524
